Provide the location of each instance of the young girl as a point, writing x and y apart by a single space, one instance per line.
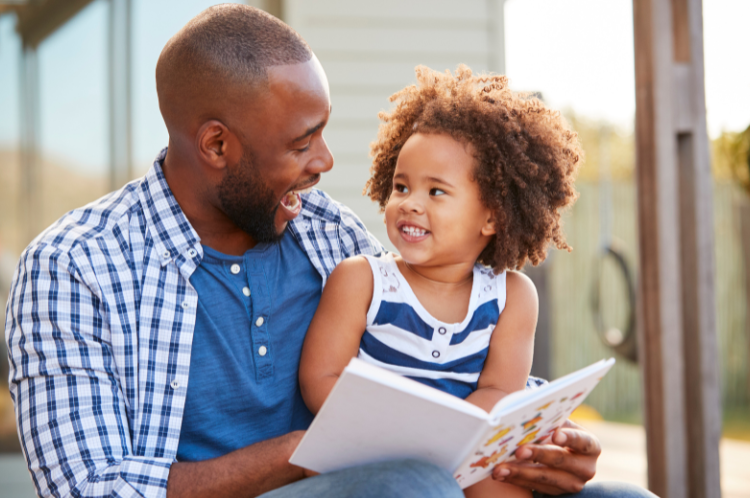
472 178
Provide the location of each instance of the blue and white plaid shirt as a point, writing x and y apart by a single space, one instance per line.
99 327
100 324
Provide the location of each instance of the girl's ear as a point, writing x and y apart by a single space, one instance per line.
489 227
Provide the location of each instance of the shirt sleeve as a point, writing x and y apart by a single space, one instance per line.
354 235
71 413
534 382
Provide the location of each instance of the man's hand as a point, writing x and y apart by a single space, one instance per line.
561 465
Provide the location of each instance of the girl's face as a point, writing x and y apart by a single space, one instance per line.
435 215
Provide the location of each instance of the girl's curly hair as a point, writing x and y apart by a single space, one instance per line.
526 156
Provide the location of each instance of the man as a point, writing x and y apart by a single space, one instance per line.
154 335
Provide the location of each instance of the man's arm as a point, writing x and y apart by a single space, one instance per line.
71 410
561 466
246 472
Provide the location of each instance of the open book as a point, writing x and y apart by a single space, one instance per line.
373 415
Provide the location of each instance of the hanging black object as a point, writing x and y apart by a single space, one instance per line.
622 341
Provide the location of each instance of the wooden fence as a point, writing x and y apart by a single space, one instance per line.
575 342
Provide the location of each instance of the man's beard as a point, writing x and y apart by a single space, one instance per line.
248 201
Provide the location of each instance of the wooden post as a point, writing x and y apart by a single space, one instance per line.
120 101
744 215
676 308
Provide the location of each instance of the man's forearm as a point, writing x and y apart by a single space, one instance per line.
246 472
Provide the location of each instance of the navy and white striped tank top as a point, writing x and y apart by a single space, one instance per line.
401 336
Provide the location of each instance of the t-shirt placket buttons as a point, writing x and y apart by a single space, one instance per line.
257 293
441 342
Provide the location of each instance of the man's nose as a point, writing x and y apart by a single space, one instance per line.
324 159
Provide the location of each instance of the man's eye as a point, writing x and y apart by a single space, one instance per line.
436 191
304 149
399 187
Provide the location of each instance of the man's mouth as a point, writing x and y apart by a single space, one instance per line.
291 203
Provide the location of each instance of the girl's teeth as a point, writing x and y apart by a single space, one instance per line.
414 232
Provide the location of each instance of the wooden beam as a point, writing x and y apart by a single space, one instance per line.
676 306
38 20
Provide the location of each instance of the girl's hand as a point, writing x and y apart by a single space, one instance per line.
561 466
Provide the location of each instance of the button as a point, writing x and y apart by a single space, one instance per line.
436 354
192 253
262 350
259 321
175 384
185 305
166 254
235 269
441 331
246 291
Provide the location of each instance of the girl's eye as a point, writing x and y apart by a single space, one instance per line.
399 187
436 191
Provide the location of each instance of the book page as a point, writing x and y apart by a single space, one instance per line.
529 418
373 418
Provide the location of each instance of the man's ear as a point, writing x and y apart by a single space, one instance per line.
217 146
490 226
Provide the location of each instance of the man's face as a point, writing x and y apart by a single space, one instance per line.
284 152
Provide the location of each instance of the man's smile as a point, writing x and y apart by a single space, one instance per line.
291 202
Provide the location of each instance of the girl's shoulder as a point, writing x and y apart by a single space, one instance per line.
352 273
520 291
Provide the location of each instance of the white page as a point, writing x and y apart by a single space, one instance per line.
365 421
509 402
528 418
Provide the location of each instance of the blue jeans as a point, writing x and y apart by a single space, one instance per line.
397 478
608 490
413 478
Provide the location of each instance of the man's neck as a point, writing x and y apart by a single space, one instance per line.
188 185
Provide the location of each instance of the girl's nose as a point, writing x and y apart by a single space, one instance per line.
411 205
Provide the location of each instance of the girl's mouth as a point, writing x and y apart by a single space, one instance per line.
411 233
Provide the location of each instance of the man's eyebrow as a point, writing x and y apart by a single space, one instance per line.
315 128
309 131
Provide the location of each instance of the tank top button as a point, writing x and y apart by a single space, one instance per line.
441 331
436 354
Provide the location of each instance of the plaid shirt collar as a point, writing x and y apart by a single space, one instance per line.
172 232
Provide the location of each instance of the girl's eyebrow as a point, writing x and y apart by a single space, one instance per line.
435 179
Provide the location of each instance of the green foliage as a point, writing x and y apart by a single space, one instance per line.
731 157
599 140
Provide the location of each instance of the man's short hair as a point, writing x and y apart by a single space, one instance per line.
239 41
223 46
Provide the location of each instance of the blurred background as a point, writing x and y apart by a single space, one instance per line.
79 117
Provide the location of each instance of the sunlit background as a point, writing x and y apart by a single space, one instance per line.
576 54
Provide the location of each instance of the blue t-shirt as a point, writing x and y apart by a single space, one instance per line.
253 314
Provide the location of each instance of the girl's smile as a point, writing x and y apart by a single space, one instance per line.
411 232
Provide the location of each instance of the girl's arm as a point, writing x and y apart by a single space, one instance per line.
336 329
512 344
